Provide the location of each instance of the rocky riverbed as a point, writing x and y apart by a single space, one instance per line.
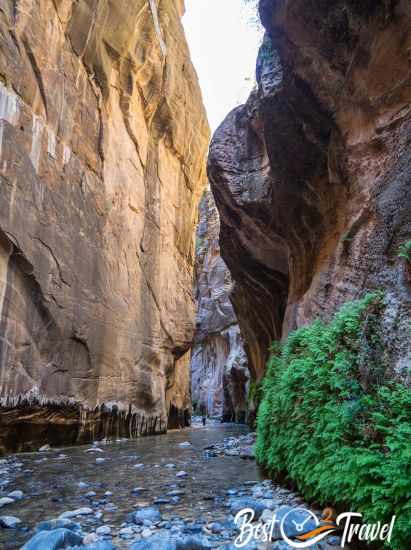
177 491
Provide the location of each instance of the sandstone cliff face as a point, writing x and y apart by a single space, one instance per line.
102 146
218 363
312 176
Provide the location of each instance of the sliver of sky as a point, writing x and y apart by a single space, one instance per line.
224 44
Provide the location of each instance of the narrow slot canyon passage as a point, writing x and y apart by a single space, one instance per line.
205 274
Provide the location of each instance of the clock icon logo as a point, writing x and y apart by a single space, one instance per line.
301 528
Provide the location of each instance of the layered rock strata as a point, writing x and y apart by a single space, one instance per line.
219 363
103 139
312 176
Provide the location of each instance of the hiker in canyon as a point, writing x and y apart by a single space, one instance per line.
243 301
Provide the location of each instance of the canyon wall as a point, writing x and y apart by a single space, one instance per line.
218 362
312 177
103 139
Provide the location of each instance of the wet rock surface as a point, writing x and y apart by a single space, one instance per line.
242 446
72 501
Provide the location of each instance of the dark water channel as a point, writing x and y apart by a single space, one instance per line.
60 480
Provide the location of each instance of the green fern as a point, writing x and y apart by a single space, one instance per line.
331 421
405 251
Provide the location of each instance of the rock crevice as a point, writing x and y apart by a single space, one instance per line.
219 365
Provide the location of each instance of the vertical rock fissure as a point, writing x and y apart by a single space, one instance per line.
219 364
156 21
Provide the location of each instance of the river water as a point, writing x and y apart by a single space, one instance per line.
65 479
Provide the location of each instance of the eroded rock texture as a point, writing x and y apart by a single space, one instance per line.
218 363
312 176
102 141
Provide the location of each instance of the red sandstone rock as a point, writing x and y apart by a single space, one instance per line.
103 139
312 176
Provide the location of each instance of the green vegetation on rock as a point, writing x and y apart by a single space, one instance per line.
333 422
255 392
405 251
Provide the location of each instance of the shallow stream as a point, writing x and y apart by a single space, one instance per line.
60 480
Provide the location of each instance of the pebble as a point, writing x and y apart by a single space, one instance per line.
16 495
181 474
149 513
126 532
162 501
100 460
103 530
74 513
146 533
142 504
176 493
185 444
44 448
110 507
4 501
271 504
91 538
9 522
238 504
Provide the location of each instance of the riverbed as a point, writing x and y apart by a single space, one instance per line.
114 479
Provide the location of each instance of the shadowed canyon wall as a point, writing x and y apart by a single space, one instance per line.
312 177
103 139
218 361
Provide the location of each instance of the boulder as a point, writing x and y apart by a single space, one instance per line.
53 524
149 513
238 504
53 540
